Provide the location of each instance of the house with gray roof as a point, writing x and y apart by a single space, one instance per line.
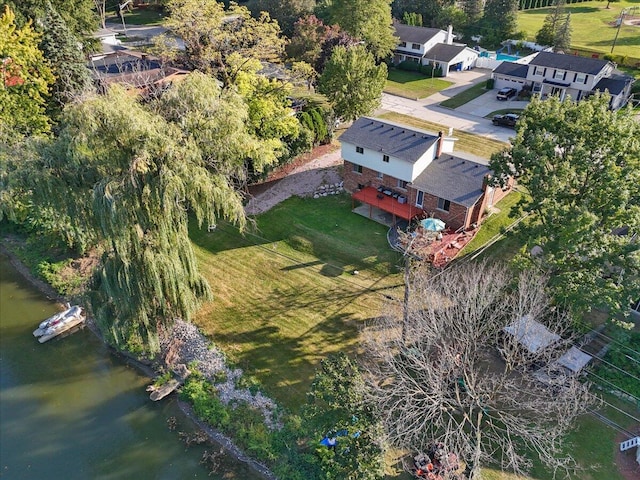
561 75
432 46
411 173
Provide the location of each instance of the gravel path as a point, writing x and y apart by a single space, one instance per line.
302 181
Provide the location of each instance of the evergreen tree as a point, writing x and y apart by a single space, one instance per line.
412 18
61 49
556 29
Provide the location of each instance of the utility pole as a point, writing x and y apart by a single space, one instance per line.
620 22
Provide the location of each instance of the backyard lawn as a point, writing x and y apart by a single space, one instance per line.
467 142
592 27
286 297
412 84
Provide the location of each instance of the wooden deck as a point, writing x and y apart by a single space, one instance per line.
387 203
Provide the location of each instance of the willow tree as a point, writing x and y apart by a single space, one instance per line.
130 178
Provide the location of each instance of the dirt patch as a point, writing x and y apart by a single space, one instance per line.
273 178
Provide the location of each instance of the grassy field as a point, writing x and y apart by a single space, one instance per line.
465 96
467 142
412 84
286 297
592 26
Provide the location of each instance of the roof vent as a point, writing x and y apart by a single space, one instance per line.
414 134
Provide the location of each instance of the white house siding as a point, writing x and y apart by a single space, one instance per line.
373 159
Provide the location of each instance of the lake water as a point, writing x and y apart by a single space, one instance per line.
69 409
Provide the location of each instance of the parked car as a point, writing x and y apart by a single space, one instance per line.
506 93
506 120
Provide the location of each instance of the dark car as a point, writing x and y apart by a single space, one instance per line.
506 93
506 120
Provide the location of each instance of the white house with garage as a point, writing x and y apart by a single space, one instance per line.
557 74
433 46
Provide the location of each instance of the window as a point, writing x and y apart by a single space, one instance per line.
558 75
403 44
420 199
538 71
380 175
415 46
402 184
444 204
357 168
385 158
359 150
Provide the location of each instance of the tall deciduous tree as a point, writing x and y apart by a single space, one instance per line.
500 20
211 33
129 176
285 12
580 163
368 20
60 48
338 409
25 80
79 15
450 376
353 82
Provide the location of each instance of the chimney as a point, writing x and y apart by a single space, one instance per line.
439 147
449 40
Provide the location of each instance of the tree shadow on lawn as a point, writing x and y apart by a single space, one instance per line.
281 340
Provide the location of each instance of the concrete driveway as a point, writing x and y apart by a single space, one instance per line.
470 119
487 103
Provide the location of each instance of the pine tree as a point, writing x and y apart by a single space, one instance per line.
61 49
556 29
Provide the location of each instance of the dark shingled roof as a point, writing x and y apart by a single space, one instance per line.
394 140
411 34
512 69
443 52
452 178
615 84
573 63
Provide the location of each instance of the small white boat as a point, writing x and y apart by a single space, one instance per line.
58 321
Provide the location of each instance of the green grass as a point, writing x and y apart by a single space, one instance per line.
465 96
413 85
591 26
286 297
140 16
467 142
494 224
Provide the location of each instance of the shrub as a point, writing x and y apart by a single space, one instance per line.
490 83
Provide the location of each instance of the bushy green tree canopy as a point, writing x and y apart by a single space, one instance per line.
353 82
25 77
126 175
580 164
368 20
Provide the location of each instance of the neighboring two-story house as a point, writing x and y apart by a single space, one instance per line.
410 173
432 46
565 76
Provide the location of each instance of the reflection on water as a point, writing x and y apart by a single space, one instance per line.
69 409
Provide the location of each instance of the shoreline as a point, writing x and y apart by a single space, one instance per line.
215 436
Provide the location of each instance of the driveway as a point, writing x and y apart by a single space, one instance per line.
470 119
487 103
